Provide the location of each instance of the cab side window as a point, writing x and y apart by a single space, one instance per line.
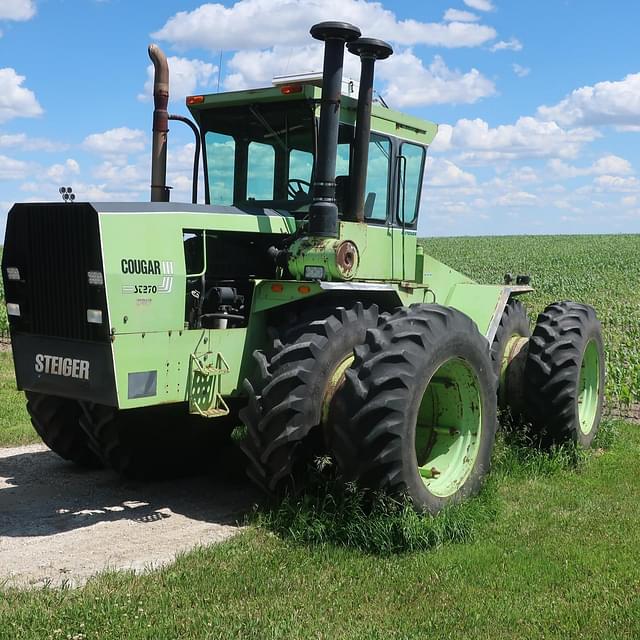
411 165
377 189
261 163
221 150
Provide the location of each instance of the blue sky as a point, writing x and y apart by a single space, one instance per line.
538 102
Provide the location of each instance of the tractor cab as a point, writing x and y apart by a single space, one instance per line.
260 149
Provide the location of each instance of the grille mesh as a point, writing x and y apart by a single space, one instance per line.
55 246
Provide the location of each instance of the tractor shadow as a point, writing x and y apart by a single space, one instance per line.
42 495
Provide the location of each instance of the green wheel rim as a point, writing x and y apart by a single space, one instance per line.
589 388
448 429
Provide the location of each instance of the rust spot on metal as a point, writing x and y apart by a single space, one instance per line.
347 258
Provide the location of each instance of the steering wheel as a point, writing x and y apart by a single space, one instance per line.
295 188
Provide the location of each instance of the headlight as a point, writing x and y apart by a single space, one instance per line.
94 316
95 277
13 273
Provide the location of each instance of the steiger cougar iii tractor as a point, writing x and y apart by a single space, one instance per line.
295 301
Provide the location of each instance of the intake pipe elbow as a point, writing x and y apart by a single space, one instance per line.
159 189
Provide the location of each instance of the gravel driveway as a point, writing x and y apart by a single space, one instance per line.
60 525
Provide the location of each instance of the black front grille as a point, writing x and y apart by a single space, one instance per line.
54 246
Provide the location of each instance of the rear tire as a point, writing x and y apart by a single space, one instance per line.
565 374
417 413
508 357
56 420
290 393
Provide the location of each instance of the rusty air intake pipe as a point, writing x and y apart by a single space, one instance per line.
159 189
369 50
323 212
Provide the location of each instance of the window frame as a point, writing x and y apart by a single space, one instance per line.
416 212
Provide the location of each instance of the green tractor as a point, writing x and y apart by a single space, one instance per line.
295 300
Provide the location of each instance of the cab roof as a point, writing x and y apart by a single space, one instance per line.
383 120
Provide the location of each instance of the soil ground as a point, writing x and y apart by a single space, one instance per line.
60 525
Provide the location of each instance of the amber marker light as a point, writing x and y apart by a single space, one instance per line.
304 289
277 288
191 100
288 89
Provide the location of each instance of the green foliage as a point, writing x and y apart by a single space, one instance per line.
15 426
373 523
603 271
4 323
330 514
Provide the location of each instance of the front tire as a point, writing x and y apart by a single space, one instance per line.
56 420
291 392
153 443
417 413
565 374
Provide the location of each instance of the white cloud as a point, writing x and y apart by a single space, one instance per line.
629 201
617 183
60 172
442 141
527 138
16 100
607 165
520 71
257 68
11 169
513 44
525 175
118 174
405 80
103 192
17 9
410 83
605 103
186 77
120 141
480 5
25 143
517 199
261 24
444 173
455 15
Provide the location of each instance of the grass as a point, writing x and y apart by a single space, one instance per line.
15 426
556 559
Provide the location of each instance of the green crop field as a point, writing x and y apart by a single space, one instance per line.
603 271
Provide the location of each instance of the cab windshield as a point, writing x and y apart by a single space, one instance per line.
260 154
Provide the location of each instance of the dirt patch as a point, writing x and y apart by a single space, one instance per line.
626 412
61 525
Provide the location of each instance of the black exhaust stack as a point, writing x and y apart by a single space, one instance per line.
369 50
159 189
323 213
